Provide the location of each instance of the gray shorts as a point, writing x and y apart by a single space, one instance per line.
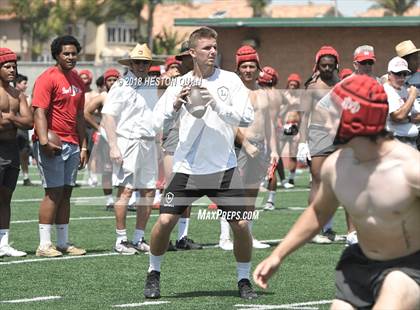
61 169
9 163
320 141
170 141
252 170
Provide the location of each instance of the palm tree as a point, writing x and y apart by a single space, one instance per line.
258 7
395 7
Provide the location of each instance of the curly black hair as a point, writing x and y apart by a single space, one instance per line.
59 42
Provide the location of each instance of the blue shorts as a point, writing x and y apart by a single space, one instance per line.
61 169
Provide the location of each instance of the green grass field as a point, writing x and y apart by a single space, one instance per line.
204 279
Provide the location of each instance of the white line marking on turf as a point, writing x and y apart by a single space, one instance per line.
31 299
39 260
300 306
147 303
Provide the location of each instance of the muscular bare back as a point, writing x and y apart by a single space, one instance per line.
382 196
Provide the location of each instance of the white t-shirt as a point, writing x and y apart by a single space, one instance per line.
131 104
206 145
396 99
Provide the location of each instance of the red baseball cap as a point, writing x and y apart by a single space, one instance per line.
364 52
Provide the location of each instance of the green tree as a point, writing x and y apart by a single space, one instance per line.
394 7
167 42
258 7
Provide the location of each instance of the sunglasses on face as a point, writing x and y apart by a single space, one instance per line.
402 73
138 61
368 62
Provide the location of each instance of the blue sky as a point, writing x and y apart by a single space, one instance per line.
346 7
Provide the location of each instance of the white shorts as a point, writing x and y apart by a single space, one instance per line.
139 168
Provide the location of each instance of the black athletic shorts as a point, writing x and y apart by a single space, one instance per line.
359 279
9 163
22 137
223 188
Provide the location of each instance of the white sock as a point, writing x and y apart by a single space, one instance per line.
183 227
44 235
154 262
224 229
138 235
109 199
62 235
243 270
329 225
271 196
4 237
25 176
292 175
121 235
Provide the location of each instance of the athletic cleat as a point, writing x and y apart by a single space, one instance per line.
245 289
109 207
48 251
332 235
269 206
226 244
125 248
171 247
27 182
7 250
152 286
286 185
141 246
187 244
132 208
351 238
259 245
321 239
71 250
291 181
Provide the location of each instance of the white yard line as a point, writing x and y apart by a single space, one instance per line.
146 303
48 259
16 301
300 305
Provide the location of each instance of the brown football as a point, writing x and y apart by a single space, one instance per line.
54 138
196 105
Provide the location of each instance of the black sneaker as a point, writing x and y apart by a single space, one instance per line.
27 182
151 288
171 247
245 290
187 244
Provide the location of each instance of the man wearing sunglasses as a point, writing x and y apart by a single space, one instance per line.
127 116
401 102
363 60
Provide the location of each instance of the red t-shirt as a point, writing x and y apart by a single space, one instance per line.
64 97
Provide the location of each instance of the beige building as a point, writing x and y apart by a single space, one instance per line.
107 42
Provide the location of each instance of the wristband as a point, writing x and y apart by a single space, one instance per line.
83 149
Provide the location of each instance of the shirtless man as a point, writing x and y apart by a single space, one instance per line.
313 144
285 107
14 114
377 180
100 152
251 142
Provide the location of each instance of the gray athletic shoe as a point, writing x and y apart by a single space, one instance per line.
125 248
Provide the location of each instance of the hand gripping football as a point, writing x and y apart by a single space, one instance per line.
196 104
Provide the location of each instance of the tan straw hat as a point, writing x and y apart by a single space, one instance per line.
139 52
405 48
